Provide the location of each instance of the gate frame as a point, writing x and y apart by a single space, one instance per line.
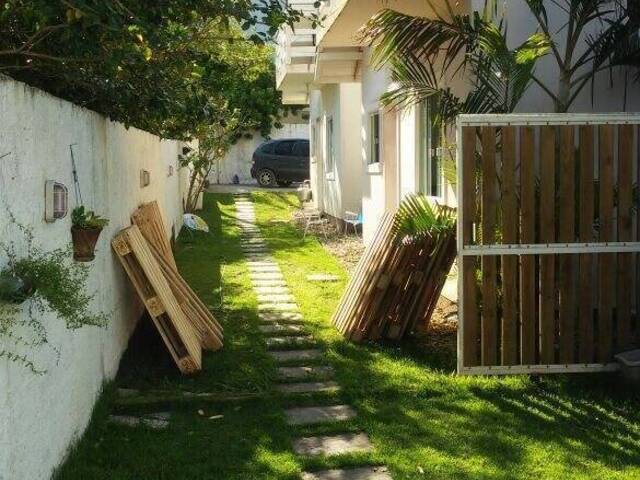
517 120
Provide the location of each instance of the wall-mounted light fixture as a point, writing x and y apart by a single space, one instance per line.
145 178
170 171
56 201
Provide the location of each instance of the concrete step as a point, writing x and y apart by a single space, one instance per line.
280 317
271 290
308 387
365 473
315 415
281 328
301 373
288 342
278 307
277 298
296 355
333 445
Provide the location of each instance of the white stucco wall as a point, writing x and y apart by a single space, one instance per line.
339 190
40 416
238 159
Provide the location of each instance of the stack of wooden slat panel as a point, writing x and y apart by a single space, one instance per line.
395 286
183 321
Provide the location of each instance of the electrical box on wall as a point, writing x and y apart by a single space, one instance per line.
56 201
145 178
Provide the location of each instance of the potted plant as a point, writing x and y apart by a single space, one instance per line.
85 230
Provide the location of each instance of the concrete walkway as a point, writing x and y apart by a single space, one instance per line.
285 337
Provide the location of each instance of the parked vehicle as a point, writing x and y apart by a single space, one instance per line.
281 162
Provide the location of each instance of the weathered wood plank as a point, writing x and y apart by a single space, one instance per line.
566 233
586 212
489 335
527 235
606 261
547 235
625 225
509 347
469 264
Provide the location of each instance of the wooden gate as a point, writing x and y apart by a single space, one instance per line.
547 242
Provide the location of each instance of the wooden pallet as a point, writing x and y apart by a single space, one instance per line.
149 220
395 286
152 287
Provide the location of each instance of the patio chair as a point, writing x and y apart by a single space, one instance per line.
313 217
352 219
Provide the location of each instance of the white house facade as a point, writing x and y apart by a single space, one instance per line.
366 158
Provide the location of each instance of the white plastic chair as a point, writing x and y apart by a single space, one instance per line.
353 219
313 217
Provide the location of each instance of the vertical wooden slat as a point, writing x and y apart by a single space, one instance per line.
625 260
566 232
489 290
586 212
606 261
509 236
547 235
527 235
470 306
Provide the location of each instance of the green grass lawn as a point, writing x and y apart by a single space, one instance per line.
425 422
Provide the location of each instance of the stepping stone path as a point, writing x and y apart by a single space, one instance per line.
285 339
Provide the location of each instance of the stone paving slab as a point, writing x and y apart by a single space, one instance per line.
308 387
365 473
261 263
266 276
280 328
271 290
278 307
314 415
276 298
333 445
322 277
280 342
296 355
269 283
280 316
264 269
300 373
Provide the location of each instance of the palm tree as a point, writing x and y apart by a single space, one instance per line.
425 53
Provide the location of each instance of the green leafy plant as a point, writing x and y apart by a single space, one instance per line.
87 219
57 284
418 217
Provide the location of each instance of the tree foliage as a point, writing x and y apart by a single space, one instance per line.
426 53
154 65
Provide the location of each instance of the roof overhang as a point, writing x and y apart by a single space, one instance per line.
346 17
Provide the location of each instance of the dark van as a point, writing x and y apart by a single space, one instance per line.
281 162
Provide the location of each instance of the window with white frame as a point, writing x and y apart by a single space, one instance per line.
429 148
375 152
330 149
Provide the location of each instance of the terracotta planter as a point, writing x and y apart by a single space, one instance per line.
84 243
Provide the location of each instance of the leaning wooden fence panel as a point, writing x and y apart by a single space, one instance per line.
548 242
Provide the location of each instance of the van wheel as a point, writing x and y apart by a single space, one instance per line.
284 183
266 178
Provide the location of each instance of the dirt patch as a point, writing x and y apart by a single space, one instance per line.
441 334
347 248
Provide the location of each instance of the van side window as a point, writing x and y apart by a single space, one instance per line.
285 148
267 148
301 149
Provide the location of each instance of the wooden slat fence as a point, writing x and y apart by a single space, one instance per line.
548 242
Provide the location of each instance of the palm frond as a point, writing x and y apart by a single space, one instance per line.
392 34
418 217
